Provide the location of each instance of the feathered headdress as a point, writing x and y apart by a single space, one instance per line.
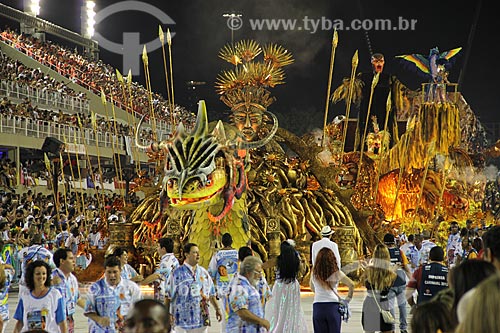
248 83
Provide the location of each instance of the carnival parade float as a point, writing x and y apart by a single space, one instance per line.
264 184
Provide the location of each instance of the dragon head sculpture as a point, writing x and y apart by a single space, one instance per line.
202 167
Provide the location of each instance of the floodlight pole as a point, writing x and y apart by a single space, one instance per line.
232 15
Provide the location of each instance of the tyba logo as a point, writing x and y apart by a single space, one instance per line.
131 49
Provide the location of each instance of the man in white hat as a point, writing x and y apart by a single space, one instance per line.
327 233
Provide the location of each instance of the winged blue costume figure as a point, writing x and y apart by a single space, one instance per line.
433 67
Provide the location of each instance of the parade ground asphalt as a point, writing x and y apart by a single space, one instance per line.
353 326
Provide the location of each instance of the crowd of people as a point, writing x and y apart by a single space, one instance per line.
27 114
444 287
96 75
43 241
27 110
439 284
15 71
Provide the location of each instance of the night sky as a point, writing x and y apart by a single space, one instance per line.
201 31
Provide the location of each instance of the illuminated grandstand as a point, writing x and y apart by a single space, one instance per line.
50 91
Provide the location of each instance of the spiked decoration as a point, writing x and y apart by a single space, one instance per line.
248 97
277 56
229 54
191 158
195 172
250 73
243 51
376 139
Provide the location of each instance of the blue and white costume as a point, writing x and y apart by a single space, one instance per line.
242 295
111 301
68 287
167 265
187 288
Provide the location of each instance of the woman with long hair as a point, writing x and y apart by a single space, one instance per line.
430 317
464 278
482 312
40 305
283 310
325 279
379 276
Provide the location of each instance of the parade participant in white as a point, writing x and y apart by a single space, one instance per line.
67 284
326 241
109 299
40 305
168 263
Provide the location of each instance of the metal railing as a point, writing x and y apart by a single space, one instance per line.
44 97
439 92
75 74
66 133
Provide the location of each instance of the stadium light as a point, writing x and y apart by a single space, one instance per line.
88 19
35 7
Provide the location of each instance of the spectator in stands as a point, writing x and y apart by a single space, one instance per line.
95 75
73 240
94 237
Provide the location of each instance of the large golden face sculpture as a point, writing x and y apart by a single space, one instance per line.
245 87
248 120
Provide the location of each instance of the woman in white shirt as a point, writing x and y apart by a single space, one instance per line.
40 305
324 282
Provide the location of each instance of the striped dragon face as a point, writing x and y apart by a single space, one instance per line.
202 168
195 172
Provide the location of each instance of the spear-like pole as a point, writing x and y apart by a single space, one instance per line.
445 172
170 60
99 167
116 161
335 41
120 173
51 180
72 176
128 100
170 104
82 200
388 106
61 165
355 61
87 156
150 95
363 138
402 166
